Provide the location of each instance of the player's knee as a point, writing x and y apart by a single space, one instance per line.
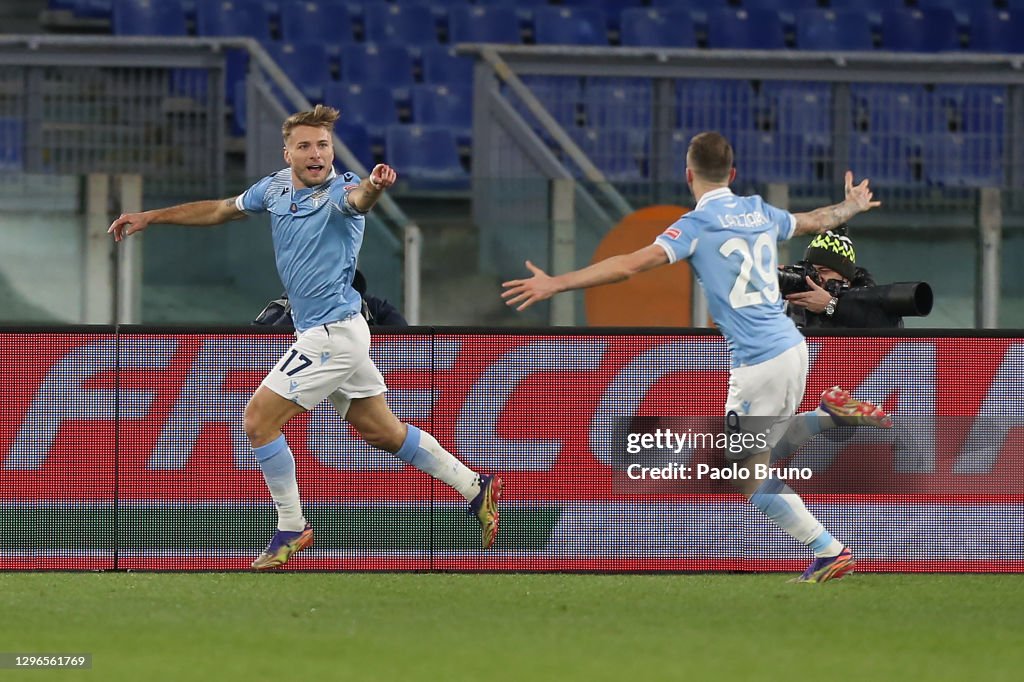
256 429
384 438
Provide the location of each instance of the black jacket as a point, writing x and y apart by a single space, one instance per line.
377 311
851 314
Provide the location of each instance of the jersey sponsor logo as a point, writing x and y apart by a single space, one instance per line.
349 188
672 233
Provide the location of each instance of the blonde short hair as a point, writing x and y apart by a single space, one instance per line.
321 116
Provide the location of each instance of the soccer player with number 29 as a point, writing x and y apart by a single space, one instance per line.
730 242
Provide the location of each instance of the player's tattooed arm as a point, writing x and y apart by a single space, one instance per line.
824 218
858 199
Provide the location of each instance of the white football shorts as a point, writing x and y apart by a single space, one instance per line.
764 396
331 360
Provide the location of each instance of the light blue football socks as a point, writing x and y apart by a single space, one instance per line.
278 466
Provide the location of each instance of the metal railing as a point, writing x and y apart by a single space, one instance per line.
941 136
155 107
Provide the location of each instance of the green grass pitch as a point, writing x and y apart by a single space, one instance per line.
404 627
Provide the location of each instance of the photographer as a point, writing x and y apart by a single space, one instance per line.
377 311
827 290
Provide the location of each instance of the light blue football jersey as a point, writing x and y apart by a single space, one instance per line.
317 236
731 243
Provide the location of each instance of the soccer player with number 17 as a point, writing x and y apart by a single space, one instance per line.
730 242
317 218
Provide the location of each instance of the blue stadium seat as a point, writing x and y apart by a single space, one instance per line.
915 30
483 25
562 96
963 160
997 31
691 5
612 8
766 157
680 143
236 68
884 159
60 4
320 22
306 65
190 83
569 26
371 63
239 108
780 5
823 29
677 151
94 9
427 157
149 18
867 5
643 27
607 6
697 9
972 108
797 108
774 157
756 29
519 3
357 139
370 106
959 8
623 103
873 8
12 138
786 9
403 24
896 109
233 18
762 156
726 106
443 65
448 105
617 153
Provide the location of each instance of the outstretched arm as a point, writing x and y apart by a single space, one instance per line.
200 213
525 292
858 200
363 197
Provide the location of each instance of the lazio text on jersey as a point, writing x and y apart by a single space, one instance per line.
317 236
731 244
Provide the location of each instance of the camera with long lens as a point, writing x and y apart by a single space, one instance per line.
906 299
793 279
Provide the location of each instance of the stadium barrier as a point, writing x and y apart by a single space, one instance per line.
122 448
589 133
